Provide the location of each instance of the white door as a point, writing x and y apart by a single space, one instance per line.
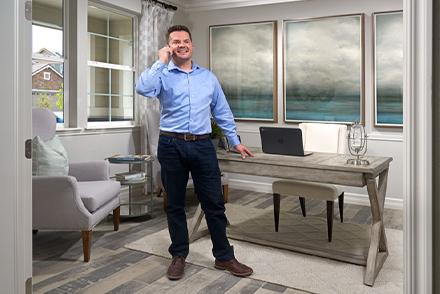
15 129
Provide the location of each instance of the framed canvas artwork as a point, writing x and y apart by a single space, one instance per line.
388 69
243 57
324 69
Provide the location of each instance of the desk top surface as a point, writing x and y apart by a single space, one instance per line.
322 161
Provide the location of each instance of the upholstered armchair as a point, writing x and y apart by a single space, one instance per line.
153 121
317 137
78 200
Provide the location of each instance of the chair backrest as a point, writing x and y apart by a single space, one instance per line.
320 137
44 123
152 121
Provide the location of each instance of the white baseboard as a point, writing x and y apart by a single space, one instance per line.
352 198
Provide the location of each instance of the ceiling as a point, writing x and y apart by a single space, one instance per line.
200 5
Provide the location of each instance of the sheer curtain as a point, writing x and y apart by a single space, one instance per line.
154 23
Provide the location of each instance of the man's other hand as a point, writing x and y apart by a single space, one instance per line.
243 150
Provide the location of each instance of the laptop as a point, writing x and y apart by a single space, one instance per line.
282 141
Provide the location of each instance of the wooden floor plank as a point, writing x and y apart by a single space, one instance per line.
58 265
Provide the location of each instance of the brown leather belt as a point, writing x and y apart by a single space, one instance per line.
186 137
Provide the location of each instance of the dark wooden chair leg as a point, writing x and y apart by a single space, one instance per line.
165 200
330 208
276 209
158 192
341 206
87 244
116 218
225 193
302 201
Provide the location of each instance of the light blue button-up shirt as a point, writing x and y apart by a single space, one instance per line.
187 98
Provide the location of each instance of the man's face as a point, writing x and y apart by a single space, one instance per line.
181 44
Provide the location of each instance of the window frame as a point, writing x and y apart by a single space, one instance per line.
133 68
58 59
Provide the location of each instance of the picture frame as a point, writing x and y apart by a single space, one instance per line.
243 56
323 69
388 68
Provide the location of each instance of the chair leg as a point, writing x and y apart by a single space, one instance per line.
341 206
158 192
164 200
116 218
276 209
87 244
225 193
302 201
330 208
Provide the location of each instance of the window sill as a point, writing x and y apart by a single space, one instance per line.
111 127
68 129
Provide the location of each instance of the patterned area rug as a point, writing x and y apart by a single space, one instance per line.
291 269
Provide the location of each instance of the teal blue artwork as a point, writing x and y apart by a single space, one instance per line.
323 69
243 57
388 68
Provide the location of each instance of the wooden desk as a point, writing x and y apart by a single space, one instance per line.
323 168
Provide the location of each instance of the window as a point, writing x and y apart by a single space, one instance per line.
111 72
48 56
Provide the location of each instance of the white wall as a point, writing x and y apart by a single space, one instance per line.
382 141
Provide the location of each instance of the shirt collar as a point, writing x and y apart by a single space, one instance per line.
172 66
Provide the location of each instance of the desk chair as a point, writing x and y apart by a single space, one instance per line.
317 137
153 123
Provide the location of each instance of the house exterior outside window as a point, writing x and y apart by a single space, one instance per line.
48 56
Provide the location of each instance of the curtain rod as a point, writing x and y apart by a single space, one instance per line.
165 5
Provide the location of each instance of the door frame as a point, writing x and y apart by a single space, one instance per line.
15 129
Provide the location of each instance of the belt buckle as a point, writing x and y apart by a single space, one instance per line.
187 136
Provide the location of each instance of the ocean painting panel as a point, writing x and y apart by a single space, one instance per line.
243 57
389 68
323 69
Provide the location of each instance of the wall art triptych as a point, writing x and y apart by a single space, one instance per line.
243 57
323 68
388 68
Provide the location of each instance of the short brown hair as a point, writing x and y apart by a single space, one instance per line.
177 28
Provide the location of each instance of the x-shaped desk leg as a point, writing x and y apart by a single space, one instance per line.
193 227
378 251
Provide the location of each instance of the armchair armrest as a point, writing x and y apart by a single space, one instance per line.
57 204
90 171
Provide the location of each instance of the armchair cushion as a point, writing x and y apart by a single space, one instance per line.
95 194
49 158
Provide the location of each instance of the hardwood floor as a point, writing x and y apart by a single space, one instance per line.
58 265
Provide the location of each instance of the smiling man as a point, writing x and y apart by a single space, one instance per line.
188 94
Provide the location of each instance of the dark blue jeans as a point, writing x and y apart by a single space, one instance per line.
177 158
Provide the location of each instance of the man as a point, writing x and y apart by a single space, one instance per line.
188 94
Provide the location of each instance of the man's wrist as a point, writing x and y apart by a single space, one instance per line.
234 141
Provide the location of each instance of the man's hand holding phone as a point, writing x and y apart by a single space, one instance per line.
165 54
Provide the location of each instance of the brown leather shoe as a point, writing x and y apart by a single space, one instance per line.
176 268
236 268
